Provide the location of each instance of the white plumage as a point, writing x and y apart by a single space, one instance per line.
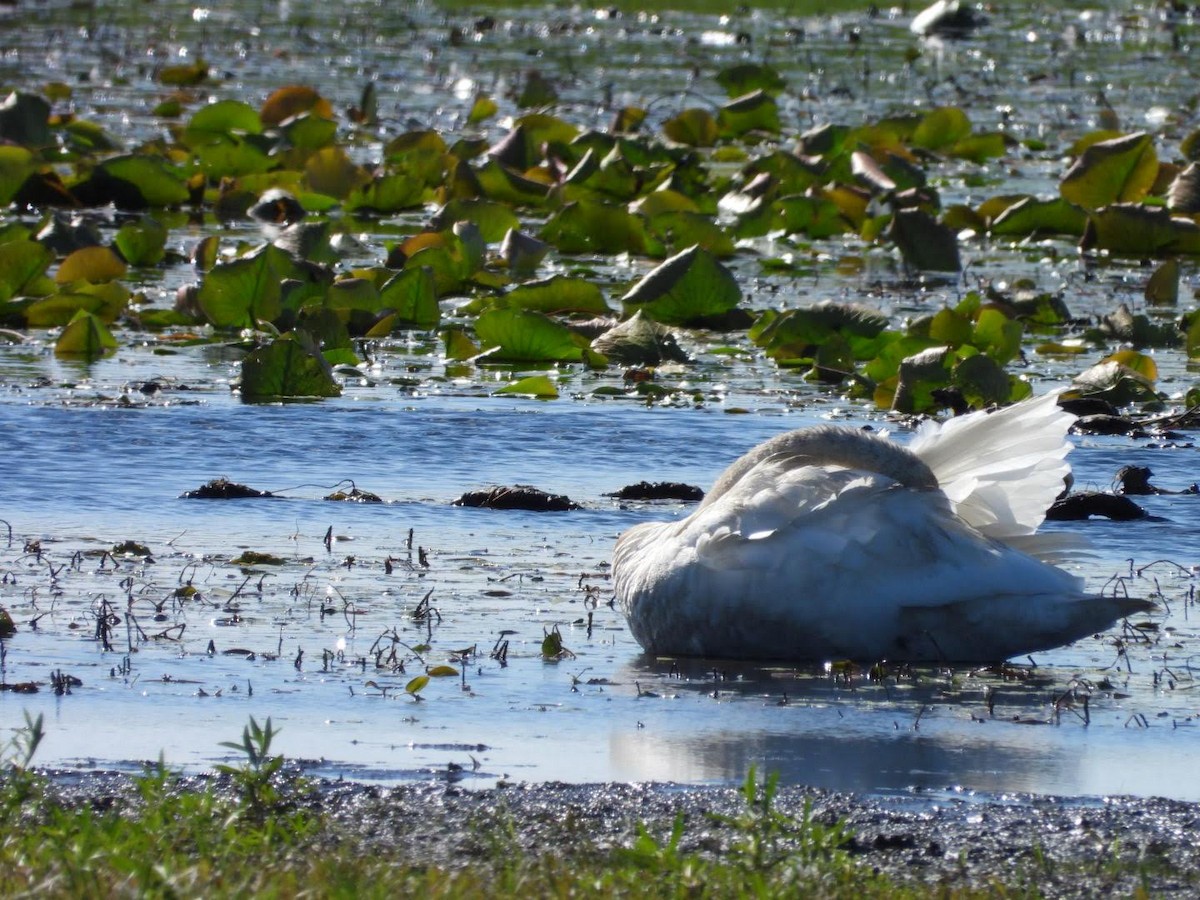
830 543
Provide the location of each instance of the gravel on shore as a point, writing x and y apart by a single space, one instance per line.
1057 847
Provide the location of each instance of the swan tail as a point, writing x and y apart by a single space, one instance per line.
1001 470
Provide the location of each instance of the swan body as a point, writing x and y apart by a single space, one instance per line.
831 543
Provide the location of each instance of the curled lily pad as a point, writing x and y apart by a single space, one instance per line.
1121 170
1031 216
756 111
694 127
1183 196
1115 383
639 341
1132 229
522 253
85 336
560 294
16 165
22 263
521 496
1162 288
746 77
290 366
142 243
925 243
691 286
244 291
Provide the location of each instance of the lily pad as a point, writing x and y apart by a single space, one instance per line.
85 336
639 341
245 291
1121 170
523 335
539 386
691 286
290 366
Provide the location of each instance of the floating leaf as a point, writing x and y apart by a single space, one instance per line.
941 127
494 220
411 294
747 77
24 120
593 227
756 111
441 672
982 381
186 75
925 243
534 386
693 127
560 294
1030 217
106 301
537 91
690 286
1115 171
289 366
1115 383
520 335
16 165
1162 288
920 375
85 336
639 341
221 119
795 335
21 263
291 101
142 243
1131 229
93 264
482 109
417 685
245 291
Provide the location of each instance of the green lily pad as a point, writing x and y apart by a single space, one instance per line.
85 336
289 366
538 386
560 294
156 181
1031 216
105 301
940 128
21 264
525 336
690 286
746 77
693 127
1121 170
16 165
245 291
756 111
925 243
412 295
1131 229
594 227
142 243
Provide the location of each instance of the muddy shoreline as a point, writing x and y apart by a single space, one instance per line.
1048 846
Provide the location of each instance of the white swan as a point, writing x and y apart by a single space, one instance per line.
831 543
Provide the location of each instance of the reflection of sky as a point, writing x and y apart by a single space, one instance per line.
89 478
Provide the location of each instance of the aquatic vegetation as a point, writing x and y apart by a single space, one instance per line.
499 235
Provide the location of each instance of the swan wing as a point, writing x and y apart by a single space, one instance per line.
1001 470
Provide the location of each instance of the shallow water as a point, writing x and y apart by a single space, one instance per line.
97 455
86 479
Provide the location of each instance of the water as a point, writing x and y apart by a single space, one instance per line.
84 479
96 455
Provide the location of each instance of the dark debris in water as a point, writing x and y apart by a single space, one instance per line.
1088 504
659 490
521 496
1136 480
223 489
